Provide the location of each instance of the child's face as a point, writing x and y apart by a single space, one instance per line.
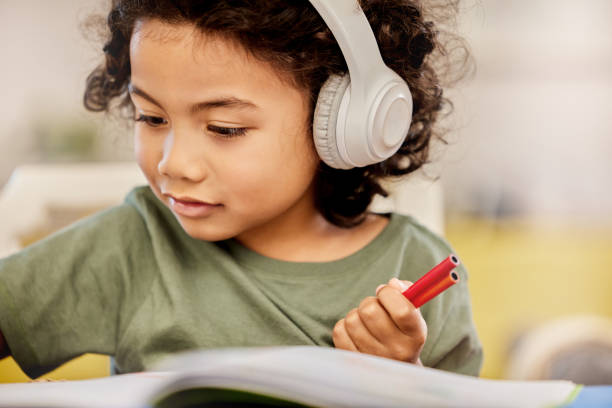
259 180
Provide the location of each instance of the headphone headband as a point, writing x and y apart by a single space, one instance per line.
351 29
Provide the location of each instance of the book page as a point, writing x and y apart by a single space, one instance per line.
316 376
338 378
120 391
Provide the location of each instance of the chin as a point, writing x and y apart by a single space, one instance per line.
206 233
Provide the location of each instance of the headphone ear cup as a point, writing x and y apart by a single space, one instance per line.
326 118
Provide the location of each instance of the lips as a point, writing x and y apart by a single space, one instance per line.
189 200
191 207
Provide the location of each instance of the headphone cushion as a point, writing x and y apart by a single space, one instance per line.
326 118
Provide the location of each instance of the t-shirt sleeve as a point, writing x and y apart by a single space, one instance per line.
453 341
69 293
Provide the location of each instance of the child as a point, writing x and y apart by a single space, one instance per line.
243 237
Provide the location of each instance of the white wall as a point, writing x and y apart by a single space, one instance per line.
44 62
537 128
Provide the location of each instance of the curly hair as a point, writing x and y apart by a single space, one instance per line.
294 39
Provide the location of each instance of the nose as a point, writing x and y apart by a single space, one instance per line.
182 157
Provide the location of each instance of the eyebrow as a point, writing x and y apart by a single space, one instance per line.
223 102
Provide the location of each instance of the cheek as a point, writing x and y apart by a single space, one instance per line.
147 154
279 174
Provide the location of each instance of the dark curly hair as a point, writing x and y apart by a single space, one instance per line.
293 38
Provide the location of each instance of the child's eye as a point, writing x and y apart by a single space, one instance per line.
227 132
153 121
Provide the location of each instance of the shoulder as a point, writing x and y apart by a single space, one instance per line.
141 201
119 219
160 225
417 230
422 247
452 343
141 198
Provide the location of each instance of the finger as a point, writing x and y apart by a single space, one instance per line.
361 336
394 301
341 338
377 321
404 315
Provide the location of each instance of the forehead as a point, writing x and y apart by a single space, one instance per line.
180 52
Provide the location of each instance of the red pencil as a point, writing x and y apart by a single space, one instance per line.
440 278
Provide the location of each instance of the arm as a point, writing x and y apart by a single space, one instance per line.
65 295
4 350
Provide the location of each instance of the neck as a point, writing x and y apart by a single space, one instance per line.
291 234
302 234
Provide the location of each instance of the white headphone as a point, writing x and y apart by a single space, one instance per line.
363 118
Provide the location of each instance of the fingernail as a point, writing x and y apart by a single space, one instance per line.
400 284
379 288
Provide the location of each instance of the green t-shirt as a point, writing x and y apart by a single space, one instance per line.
130 282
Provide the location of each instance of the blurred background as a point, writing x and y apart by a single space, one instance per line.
525 176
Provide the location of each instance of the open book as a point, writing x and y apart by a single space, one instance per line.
289 376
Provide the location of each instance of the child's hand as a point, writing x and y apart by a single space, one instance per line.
386 325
